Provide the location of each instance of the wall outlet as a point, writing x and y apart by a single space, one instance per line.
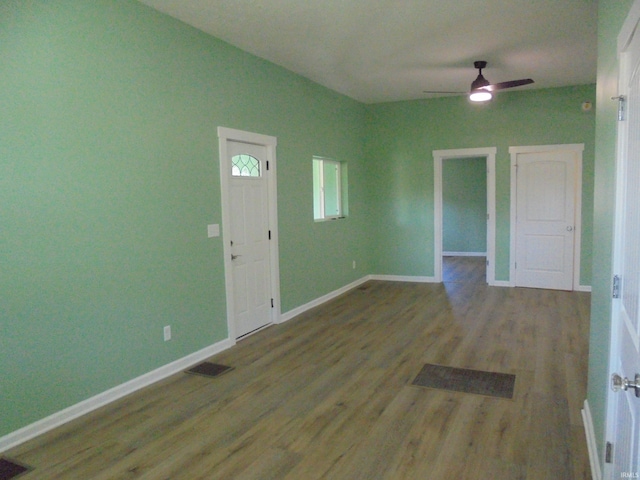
354 264
167 333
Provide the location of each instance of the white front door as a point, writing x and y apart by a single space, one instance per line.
545 230
249 234
249 239
623 416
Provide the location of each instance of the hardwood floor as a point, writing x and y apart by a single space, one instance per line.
329 395
464 269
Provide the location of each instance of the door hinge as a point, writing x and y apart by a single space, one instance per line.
621 106
608 453
272 303
616 286
267 164
269 234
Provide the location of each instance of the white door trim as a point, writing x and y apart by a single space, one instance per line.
569 147
270 143
438 157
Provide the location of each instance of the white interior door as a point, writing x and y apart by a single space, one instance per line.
623 416
546 186
247 168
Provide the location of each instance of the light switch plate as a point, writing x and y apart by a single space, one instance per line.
213 230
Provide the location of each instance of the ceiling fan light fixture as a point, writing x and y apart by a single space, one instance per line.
479 82
481 90
480 96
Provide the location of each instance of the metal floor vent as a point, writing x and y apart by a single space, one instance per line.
209 369
10 469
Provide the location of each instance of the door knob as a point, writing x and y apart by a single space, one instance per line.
569 228
618 383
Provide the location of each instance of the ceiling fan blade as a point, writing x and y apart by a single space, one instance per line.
509 84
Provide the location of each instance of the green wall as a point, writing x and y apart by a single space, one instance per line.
109 177
402 136
464 205
611 16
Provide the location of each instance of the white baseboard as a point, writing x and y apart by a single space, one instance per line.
319 301
464 254
59 418
507 283
331 295
403 278
592 444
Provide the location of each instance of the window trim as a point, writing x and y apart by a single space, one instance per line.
319 193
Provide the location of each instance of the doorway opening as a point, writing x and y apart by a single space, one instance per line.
465 247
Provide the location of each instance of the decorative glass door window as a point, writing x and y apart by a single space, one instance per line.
245 166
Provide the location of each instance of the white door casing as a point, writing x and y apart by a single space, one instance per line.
545 216
250 233
442 155
623 407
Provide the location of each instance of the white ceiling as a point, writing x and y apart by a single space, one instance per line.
387 50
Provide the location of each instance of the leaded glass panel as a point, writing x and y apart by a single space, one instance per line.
245 166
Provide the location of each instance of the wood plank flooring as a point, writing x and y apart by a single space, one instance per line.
328 395
464 269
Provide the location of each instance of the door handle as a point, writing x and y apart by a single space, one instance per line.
618 383
569 228
233 257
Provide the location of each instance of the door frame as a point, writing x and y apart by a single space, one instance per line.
576 148
438 157
225 135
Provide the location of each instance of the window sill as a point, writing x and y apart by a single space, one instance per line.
321 220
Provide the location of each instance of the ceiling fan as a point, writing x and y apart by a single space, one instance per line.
481 90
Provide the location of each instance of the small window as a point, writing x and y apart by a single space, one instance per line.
329 189
245 166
